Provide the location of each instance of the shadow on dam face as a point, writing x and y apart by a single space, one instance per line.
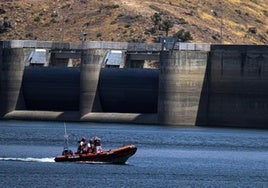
119 90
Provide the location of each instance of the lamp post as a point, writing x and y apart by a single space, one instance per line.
215 13
221 28
62 28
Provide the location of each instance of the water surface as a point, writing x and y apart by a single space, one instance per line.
166 156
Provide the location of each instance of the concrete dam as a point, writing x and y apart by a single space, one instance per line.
225 85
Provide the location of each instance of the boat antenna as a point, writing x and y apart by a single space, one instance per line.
66 139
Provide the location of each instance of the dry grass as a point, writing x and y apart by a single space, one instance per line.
128 20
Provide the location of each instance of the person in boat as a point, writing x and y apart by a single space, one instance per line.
90 146
82 146
97 145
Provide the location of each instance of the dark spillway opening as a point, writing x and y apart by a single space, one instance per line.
129 90
119 90
51 88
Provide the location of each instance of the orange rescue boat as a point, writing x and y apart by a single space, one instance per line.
116 156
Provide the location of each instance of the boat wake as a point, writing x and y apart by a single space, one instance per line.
28 159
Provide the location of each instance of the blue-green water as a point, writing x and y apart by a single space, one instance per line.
166 156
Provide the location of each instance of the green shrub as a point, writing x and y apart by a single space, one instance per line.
53 20
37 19
99 35
183 35
156 19
120 15
265 12
113 22
29 35
167 25
46 25
128 25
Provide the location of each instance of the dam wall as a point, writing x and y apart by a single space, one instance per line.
224 86
237 80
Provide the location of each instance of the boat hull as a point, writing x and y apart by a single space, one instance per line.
116 156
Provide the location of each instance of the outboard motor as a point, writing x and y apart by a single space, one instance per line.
67 152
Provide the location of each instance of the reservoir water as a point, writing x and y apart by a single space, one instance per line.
166 156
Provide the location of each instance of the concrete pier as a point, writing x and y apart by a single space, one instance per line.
181 80
11 72
91 61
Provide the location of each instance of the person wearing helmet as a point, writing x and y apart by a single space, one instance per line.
97 145
82 146
90 146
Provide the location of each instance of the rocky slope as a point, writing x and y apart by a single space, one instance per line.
236 21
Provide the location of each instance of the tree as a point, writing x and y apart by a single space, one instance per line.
5 25
156 18
167 25
183 35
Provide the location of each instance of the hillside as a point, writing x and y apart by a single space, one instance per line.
239 21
